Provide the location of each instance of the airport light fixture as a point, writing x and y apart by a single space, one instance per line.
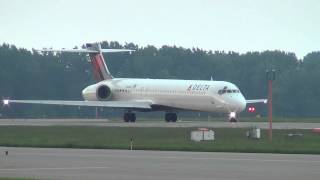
271 76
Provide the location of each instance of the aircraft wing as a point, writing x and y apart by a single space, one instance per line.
257 101
114 104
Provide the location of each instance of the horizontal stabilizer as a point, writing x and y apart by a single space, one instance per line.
85 50
257 101
116 50
114 104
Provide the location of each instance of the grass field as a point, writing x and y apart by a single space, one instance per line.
227 139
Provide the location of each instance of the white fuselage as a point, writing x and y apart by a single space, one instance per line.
194 95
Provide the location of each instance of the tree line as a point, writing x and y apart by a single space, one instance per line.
28 74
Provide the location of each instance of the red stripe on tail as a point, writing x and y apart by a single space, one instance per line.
100 69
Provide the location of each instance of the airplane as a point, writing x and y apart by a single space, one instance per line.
143 95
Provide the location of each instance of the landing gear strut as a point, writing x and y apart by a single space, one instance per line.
171 117
233 120
129 117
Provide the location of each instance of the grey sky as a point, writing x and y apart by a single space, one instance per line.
238 25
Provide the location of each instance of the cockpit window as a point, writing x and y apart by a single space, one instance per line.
225 90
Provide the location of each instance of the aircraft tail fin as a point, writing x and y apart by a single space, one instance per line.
94 51
100 69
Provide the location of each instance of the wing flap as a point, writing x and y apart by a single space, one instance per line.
115 104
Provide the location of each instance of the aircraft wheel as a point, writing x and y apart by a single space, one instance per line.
233 120
171 117
174 117
129 117
133 117
167 117
126 117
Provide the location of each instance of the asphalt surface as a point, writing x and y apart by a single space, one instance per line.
84 164
104 122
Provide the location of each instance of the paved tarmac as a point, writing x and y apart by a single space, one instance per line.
84 164
105 122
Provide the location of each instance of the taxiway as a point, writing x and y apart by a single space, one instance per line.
83 164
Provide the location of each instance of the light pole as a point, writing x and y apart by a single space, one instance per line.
271 76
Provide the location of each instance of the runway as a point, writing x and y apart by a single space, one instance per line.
105 122
84 164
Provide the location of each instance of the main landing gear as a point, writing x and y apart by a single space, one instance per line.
171 117
129 117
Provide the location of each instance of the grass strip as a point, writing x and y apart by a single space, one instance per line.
227 139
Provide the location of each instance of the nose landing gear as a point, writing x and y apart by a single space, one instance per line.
233 117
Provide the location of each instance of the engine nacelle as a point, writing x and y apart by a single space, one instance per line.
103 93
97 92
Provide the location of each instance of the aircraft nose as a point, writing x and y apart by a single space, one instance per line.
237 103
242 103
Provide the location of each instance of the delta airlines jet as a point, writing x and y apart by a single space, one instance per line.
168 95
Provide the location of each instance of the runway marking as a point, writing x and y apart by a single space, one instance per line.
174 157
52 168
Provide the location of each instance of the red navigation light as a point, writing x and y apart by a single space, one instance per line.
251 109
